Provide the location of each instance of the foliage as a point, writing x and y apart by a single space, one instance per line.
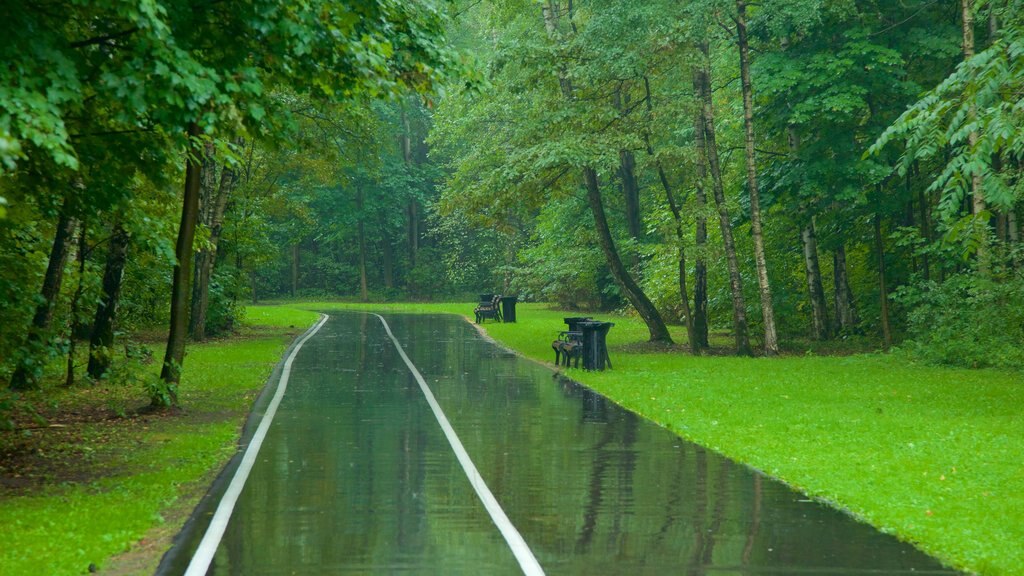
967 320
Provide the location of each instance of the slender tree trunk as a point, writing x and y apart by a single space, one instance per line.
295 269
412 210
739 312
387 255
977 185
102 341
655 325
631 191
74 324
815 291
771 341
846 314
883 293
684 294
25 377
700 267
363 288
213 202
923 206
174 357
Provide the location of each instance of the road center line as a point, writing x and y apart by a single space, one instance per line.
527 561
215 531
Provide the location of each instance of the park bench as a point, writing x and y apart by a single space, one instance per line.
488 309
568 347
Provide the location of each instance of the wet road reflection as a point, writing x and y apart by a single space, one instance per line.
355 476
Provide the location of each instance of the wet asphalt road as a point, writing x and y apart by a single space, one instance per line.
356 477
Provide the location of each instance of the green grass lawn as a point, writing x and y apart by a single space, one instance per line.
114 479
933 455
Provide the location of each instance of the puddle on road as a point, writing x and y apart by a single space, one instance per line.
356 477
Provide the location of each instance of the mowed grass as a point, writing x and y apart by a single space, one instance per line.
140 470
933 455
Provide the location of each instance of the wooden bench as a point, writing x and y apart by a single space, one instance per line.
490 309
568 347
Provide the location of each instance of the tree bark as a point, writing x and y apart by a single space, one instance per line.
102 341
771 341
412 210
655 325
700 267
883 294
815 290
387 255
363 288
631 192
977 185
73 323
174 357
25 376
295 269
739 312
213 203
846 313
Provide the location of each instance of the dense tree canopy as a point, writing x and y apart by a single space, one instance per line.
773 174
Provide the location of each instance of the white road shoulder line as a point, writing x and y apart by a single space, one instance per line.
215 531
527 561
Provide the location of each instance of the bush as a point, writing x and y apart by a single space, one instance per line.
968 320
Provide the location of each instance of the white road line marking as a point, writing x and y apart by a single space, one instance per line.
215 531
527 561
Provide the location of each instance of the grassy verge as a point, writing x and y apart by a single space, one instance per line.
932 455
101 478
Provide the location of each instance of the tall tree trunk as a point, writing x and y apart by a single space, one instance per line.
846 313
631 192
655 325
695 346
977 185
771 341
388 255
815 290
102 341
412 209
883 293
74 326
363 288
295 269
923 208
700 267
174 357
25 375
739 312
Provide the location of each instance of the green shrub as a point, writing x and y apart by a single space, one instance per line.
968 320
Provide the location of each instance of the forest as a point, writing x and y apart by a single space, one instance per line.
775 176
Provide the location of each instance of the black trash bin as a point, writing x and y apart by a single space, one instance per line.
595 346
508 308
574 322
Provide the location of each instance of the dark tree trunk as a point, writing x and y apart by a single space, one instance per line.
74 326
388 256
364 292
846 312
174 357
771 341
883 293
815 290
655 325
631 192
735 279
25 377
700 268
102 341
